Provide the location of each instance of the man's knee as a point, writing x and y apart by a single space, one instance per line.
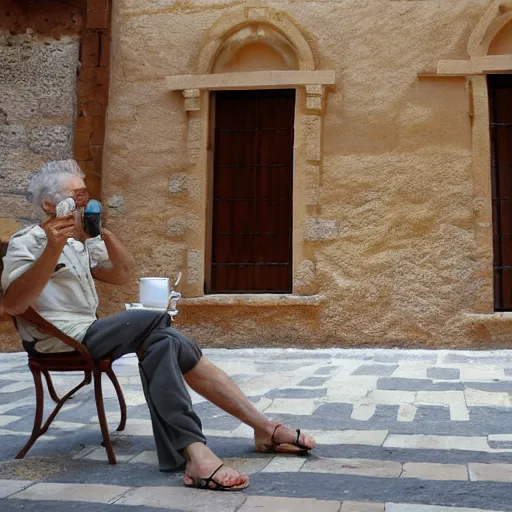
189 352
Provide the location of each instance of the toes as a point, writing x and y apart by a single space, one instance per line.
232 477
227 477
307 441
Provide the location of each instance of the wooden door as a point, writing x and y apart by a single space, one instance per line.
252 192
500 92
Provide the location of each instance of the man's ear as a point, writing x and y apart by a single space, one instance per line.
48 207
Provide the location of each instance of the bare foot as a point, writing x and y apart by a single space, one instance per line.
203 462
284 440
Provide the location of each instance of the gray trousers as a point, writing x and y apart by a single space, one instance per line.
167 355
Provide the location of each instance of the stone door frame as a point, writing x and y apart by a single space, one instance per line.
310 93
311 88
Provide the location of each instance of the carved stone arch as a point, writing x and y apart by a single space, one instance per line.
279 25
492 22
255 47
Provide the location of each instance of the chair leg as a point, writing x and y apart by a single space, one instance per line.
38 431
98 395
61 402
38 419
51 389
120 397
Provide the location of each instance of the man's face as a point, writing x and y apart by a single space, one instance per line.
76 189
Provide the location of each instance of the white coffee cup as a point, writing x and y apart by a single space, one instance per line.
154 292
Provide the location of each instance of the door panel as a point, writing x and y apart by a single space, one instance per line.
252 189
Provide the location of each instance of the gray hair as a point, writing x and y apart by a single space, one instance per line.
49 182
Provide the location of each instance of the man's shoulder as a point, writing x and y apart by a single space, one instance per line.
29 236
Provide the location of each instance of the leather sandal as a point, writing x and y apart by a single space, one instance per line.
274 445
204 483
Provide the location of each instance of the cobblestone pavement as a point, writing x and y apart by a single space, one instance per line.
397 431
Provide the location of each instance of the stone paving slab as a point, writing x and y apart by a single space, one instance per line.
429 471
397 431
430 442
72 492
401 507
266 503
491 472
358 506
190 500
9 487
361 467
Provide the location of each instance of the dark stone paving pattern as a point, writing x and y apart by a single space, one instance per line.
381 370
296 393
443 373
52 460
484 495
16 505
313 381
7 398
325 370
433 420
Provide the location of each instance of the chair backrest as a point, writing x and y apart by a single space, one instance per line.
33 317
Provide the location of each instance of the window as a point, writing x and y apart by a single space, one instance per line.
252 192
500 94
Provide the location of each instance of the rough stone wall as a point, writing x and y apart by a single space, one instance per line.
39 45
39 61
391 237
37 105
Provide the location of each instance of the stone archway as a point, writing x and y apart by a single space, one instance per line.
236 19
255 47
497 16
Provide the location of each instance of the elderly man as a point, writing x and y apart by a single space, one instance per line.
51 267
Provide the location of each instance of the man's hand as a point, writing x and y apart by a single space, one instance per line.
58 230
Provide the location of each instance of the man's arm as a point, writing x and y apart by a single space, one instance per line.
121 263
25 290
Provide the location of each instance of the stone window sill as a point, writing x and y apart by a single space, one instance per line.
263 299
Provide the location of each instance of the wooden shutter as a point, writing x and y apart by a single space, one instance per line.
252 192
500 92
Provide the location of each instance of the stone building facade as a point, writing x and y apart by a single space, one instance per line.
391 193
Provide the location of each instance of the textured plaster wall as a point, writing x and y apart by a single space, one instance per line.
395 191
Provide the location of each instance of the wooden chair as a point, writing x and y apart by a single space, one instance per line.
78 360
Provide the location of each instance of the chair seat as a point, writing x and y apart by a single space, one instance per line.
67 361
51 355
